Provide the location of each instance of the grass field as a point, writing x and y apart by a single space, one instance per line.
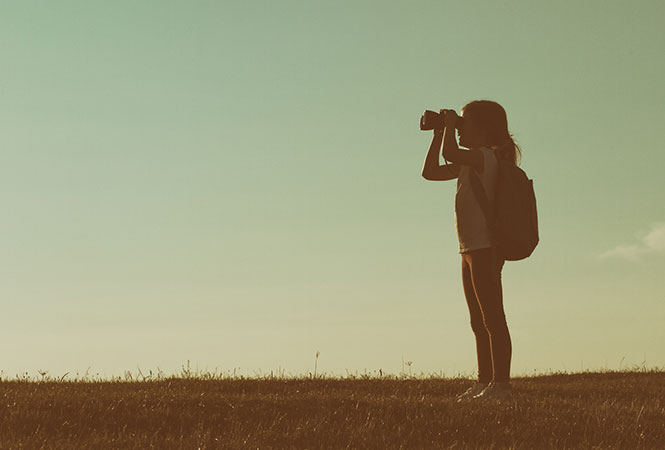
587 410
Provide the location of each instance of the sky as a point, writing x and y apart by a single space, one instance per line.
238 184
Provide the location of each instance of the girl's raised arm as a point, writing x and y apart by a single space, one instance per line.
434 171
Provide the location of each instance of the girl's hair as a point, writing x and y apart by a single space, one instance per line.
490 117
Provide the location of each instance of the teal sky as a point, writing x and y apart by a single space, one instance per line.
238 184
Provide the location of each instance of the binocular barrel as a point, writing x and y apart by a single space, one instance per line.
431 120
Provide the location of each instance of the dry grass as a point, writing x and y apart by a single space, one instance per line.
588 410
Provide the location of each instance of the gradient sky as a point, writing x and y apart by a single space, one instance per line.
238 184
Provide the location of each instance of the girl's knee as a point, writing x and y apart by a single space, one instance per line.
496 324
479 327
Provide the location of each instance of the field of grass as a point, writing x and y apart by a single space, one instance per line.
587 410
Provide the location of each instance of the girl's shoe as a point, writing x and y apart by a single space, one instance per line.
477 388
497 391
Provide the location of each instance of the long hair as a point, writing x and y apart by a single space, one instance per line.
491 118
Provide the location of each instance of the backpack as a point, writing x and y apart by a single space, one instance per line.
513 221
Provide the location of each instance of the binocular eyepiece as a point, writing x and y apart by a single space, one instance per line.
431 120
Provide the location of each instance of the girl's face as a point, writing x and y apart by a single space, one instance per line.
470 136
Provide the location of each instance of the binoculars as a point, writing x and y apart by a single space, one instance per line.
431 120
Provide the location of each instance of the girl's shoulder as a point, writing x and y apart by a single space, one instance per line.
487 157
491 155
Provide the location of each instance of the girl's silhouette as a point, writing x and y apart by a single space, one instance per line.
484 131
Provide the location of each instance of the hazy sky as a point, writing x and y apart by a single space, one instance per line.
238 184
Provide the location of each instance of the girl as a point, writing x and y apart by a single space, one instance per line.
484 131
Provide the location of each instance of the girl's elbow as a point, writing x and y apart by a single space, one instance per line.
450 157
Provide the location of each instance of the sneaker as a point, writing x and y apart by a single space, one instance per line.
477 388
497 391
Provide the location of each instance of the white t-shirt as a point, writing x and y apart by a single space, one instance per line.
472 231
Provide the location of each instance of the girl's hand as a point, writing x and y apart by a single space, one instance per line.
449 117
